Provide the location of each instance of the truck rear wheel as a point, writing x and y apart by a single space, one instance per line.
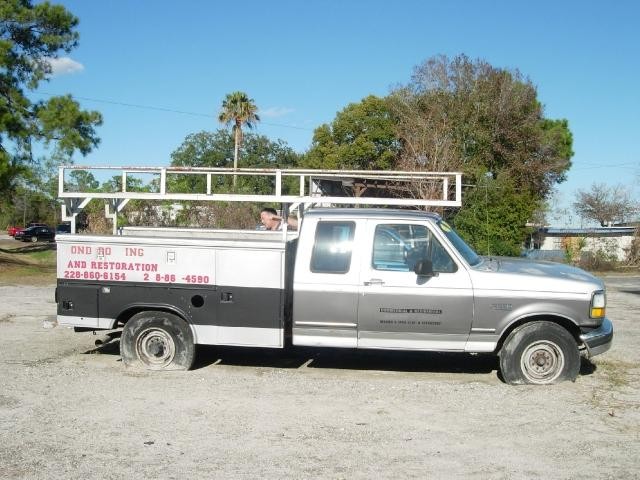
539 353
157 341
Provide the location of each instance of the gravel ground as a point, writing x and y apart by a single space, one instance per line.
68 410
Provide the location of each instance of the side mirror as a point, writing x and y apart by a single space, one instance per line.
424 268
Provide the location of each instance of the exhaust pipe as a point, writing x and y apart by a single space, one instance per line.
102 340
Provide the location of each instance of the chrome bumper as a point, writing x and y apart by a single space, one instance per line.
599 340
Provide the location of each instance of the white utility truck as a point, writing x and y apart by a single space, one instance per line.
350 278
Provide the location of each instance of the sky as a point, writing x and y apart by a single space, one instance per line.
159 70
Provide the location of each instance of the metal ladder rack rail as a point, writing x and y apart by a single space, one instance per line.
448 184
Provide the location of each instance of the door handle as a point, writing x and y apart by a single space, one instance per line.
375 281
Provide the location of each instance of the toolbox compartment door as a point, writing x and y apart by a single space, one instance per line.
78 306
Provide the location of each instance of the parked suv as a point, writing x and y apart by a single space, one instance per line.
63 228
36 234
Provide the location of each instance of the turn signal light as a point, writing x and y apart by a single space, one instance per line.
598 304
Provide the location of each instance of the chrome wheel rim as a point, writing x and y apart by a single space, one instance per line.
542 362
155 348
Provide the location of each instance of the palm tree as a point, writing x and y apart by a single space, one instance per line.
238 110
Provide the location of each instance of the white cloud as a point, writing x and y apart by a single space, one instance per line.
275 112
64 66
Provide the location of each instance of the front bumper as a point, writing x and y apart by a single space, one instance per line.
599 340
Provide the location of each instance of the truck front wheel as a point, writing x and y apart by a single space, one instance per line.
539 353
157 341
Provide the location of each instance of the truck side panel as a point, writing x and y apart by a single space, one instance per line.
228 295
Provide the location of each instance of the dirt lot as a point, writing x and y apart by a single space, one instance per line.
68 410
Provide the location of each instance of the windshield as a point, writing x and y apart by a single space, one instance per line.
465 250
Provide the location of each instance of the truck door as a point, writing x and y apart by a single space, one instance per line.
399 309
325 300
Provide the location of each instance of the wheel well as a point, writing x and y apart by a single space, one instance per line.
126 315
567 324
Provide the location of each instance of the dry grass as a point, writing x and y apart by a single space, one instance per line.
616 372
27 264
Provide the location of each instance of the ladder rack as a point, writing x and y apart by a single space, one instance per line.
326 187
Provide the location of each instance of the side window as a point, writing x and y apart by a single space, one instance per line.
398 247
332 248
440 259
395 246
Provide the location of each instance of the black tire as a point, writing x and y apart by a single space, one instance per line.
157 341
539 353
34 239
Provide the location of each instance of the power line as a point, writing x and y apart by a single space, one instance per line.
169 110
134 105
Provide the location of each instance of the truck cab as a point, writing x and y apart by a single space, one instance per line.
398 279
355 282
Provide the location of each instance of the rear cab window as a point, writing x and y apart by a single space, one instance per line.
333 247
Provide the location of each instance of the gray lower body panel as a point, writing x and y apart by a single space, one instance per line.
218 314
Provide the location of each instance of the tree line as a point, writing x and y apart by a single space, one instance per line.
453 114
36 136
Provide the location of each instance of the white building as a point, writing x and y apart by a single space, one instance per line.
611 241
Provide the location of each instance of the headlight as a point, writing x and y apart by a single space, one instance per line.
598 305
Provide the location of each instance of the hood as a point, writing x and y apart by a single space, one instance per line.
513 273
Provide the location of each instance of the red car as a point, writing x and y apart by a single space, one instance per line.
11 231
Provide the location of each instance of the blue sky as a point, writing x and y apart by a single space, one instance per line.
303 61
